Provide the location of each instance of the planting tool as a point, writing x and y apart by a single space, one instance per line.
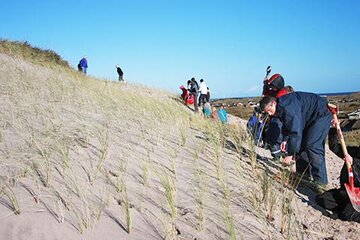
268 70
352 191
264 117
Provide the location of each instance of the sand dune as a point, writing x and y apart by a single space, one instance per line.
83 158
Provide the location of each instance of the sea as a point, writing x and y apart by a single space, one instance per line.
321 94
337 94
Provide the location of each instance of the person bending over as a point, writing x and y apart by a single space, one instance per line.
306 123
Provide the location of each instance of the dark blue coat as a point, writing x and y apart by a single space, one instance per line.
297 111
83 63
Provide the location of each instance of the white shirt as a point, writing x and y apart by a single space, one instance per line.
203 88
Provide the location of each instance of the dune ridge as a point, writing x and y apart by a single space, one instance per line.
85 158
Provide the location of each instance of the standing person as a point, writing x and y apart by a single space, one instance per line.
121 73
222 114
214 114
84 64
79 67
306 123
203 92
184 94
207 110
208 95
194 88
188 84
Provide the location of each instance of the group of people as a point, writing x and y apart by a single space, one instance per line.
199 96
294 125
295 129
83 66
218 114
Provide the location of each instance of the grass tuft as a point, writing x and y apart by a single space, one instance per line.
33 54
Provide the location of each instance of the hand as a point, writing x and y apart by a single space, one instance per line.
287 160
335 122
283 146
349 159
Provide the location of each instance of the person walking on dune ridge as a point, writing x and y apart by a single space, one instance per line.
120 73
84 64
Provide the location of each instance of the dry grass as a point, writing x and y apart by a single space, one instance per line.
241 112
36 55
65 126
82 146
352 138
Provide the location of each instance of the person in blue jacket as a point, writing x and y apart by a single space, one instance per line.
306 122
255 126
83 64
222 114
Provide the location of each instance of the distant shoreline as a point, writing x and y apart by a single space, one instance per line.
337 94
321 94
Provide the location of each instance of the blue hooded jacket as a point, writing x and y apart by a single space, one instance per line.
297 111
83 63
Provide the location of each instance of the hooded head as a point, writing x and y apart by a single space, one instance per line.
276 82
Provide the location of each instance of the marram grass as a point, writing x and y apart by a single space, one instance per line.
76 136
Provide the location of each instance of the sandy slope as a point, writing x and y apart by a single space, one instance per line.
70 205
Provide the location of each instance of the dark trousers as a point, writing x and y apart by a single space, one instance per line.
337 201
313 144
202 99
273 136
195 101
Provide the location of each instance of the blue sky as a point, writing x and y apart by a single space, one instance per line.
314 44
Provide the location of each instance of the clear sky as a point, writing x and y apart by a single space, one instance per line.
314 44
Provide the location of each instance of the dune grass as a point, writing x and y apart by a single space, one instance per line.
14 204
85 142
61 115
33 54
